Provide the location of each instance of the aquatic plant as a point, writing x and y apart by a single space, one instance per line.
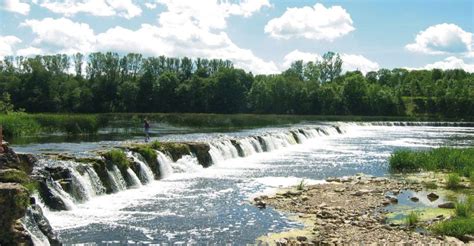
148 153
301 185
465 208
118 158
412 219
456 227
453 181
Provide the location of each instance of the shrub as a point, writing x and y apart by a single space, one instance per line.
18 124
452 181
465 208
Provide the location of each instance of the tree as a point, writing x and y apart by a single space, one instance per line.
331 66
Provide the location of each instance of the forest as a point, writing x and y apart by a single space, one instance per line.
110 83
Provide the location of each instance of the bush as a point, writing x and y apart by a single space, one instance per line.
452 181
118 158
465 208
18 124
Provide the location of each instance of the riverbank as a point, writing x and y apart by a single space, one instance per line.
352 210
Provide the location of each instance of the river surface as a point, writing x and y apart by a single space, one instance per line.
211 205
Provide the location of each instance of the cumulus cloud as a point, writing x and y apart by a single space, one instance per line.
151 5
15 6
122 8
350 62
317 23
6 45
442 39
173 37
451 63
62 34
29 51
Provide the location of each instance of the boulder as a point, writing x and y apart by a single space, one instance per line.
448 205
53 201
14 200
43 224
432 196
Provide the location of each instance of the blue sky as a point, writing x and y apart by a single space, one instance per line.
262 36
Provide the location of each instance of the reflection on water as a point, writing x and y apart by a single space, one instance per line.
210 205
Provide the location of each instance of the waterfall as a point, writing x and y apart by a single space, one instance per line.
116 179
164 165
223 150
58 191
133 178
30 225
83 189
188 163
94 180
256 145
145 172
247 146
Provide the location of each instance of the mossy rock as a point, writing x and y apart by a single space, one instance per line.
425 214
100 167
176 150
201 150
14 200
18 176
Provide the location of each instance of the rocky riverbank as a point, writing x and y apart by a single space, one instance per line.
349 210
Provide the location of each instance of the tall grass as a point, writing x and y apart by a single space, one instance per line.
463 222
460 161
412 219
22 124
453 181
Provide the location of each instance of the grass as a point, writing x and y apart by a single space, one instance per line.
22 124
412 219
18 176
456 160
462 223
118 158
471 179
453 181
301 185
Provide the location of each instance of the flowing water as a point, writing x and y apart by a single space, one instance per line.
192 204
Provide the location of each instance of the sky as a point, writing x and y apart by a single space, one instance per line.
261 36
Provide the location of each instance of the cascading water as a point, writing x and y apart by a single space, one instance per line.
29 223
164 165
82 188
145 173
188 163
247 147
94 180
222 150
58 191
116 179
135 181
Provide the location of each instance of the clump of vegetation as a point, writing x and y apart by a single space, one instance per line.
465 208
118 158
176 150
148 153
301 185
456 227
471 179
430 185
18 176
453 181
460 161
412 219
19 124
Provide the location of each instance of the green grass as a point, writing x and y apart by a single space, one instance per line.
301 185
456 227
22 124
453 181
412 219
456 160
117 157
18 176
471 178
465 208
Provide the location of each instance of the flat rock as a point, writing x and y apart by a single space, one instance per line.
432 196
447 205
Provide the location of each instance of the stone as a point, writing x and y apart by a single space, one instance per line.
361 192
301 238
304 198
448 205
261 204
414 199
14 200
49 198
432 196
453 241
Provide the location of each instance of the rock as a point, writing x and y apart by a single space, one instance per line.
448 205
392 199
293 193
432 196
452 241
261 204
304 198
414 199
468 238
14 200
333 179
301 238
53 201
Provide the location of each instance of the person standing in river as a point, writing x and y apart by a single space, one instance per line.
146 125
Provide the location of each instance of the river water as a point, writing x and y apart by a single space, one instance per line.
210 205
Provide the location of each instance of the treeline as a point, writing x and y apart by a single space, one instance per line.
108 82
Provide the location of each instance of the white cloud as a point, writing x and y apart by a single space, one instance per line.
317 22
29 51
64 35
122 8
296 55
15 6
151 5
451 63
358 62
6 45
350 62
173 39
442 39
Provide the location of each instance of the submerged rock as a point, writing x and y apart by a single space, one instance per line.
432 196
448 205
